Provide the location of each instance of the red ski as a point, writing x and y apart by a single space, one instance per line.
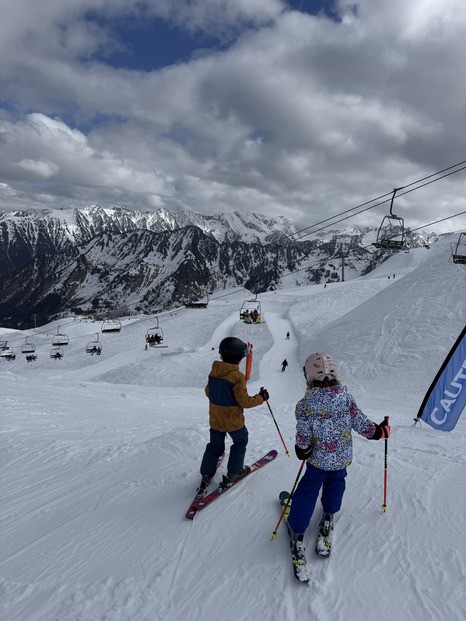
191 512
201 503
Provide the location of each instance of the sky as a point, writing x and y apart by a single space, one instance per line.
302 109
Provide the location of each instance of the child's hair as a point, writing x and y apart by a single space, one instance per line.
324 383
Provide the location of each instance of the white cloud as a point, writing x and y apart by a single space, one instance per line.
301 115
44 169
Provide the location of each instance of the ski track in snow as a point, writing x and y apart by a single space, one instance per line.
100 458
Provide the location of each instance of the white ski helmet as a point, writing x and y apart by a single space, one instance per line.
320 366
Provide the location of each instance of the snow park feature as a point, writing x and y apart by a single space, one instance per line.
100 460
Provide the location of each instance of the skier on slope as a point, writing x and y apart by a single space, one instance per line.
325 418
228 396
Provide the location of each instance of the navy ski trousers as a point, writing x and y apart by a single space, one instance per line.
307 492
216 447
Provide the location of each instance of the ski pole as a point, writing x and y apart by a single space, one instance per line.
274 533
384 506
276 425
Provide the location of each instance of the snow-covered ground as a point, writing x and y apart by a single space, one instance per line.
100 458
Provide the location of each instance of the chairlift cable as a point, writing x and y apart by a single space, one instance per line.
418 181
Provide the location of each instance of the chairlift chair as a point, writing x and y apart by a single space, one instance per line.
391 233
94 347
59 340
7 352
458 250
28 348
250 307
154 336
56 354
111 325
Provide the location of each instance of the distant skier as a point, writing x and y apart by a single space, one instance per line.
325 418
287 336
284 364
228 396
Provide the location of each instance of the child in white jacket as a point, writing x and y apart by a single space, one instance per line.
325 418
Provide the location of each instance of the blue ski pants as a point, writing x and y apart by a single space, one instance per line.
306 494
216 447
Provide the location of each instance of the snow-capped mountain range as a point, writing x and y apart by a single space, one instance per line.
117 261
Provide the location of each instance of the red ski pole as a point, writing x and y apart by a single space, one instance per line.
384 506
276 425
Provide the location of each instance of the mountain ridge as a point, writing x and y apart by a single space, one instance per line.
118 261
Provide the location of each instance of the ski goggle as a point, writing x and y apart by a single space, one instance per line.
247 351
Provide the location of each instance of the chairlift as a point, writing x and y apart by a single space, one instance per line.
28 348
391 234
7 352
458 250
31 357
94 347
250 311
56 354
59 340
111 325
154 336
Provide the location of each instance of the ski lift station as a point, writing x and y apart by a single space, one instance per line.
111 325
199 303
458 250
391 233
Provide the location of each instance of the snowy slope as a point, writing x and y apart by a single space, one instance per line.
100 457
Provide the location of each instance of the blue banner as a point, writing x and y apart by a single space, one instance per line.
446 398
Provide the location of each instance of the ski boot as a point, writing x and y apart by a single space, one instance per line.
324 538
229 479
202 489
298 554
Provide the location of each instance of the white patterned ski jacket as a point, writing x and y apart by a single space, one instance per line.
325 418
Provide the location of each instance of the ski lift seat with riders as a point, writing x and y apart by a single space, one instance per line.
94 347
458 250
251 308
154 336
391 233
56 354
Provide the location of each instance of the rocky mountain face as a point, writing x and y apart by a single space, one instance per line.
118 261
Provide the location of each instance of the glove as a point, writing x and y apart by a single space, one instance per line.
301 453
264 394
381 431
